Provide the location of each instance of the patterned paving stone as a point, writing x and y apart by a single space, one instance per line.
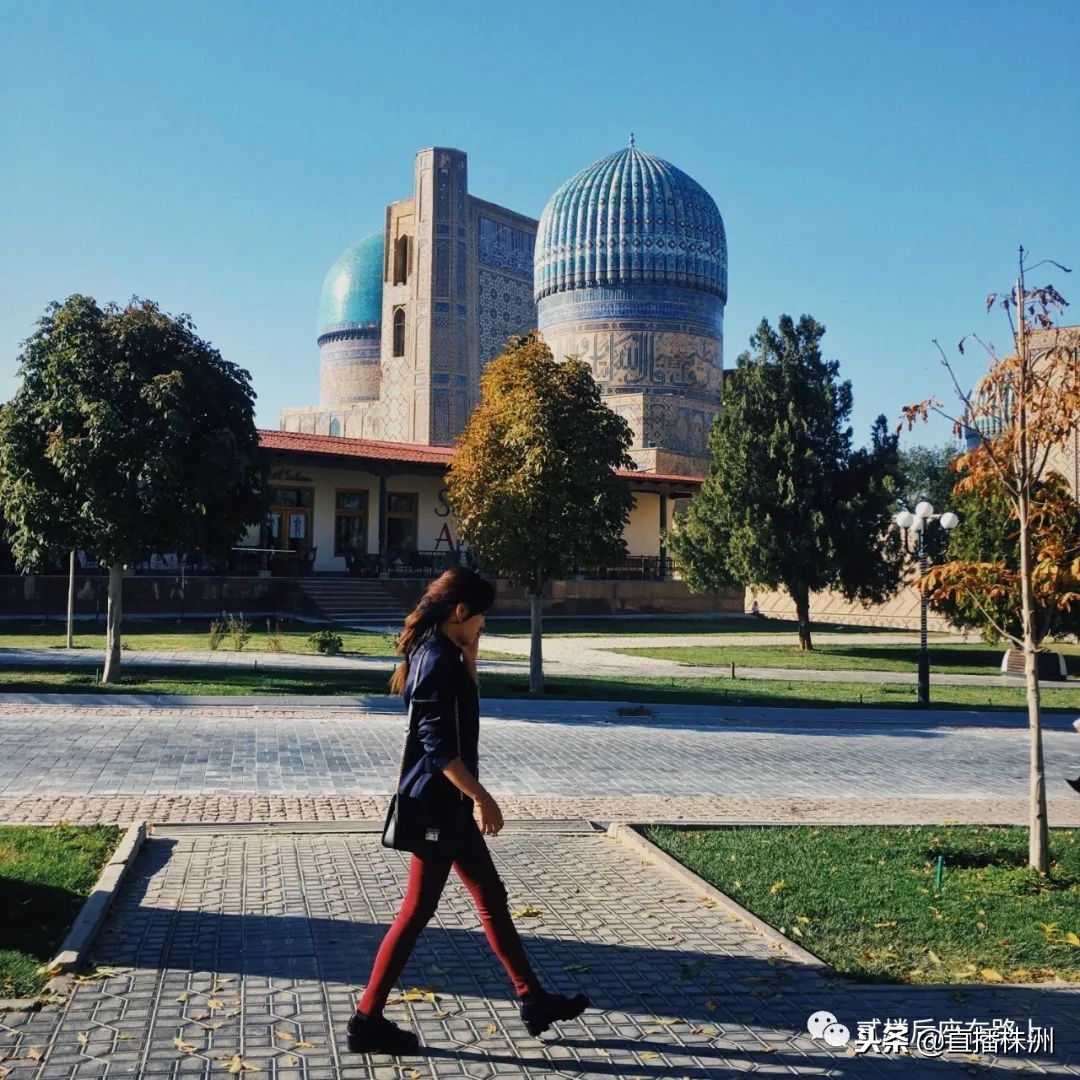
258 943
252 750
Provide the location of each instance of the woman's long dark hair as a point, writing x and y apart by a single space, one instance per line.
458 585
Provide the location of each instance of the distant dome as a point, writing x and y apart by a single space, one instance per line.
351 294
631 218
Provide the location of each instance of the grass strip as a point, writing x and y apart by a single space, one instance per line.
863 898
192 680
952 659
46 874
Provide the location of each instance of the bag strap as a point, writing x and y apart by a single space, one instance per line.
408 731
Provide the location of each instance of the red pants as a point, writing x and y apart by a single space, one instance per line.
427 876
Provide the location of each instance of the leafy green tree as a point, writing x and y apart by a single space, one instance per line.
533 484
787 503
128 436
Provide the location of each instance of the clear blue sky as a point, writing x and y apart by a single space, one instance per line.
877 164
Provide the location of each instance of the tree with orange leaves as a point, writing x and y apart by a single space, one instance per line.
1032 399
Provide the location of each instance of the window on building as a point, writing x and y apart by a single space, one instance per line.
335 426
401 532
289 521
399 332
401 260
350 522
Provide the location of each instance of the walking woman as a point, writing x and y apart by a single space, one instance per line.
438 678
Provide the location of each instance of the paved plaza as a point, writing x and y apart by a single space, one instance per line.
253 946
240 746
250 943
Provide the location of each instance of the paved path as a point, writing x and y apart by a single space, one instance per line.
258 944
561 754
561 657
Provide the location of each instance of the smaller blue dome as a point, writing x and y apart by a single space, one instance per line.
351 294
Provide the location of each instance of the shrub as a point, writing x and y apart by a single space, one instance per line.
274 638
238 630
326 641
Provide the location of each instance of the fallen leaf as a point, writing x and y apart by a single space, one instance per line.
238 1065
184 996
285 1035
492 1029
1072 939
776 886
302 1045
215 1003
934 958
990 975
576 967
879 925
33 1053
82 1038
710 1006
184 1047
528 912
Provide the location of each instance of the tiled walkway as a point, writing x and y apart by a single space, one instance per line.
574 749
251 947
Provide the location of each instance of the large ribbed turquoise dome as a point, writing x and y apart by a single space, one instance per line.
630 218
351 294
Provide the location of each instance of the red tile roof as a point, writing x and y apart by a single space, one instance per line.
416 453
338 446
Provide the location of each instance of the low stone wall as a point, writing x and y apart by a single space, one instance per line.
596 597
902 611
45 595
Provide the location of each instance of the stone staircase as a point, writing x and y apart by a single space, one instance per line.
348 600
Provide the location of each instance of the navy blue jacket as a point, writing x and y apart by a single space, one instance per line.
437 675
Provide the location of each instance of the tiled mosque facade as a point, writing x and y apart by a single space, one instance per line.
409 315
627 268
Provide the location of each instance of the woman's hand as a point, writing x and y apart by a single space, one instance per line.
491 819
468 654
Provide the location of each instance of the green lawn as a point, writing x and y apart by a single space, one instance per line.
188 634
698 691
607 625
863 898
46 873
953 659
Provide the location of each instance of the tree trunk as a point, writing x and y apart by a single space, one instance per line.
1038 832
536 656
112 625
801 596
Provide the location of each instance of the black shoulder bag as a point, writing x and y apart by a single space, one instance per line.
413 824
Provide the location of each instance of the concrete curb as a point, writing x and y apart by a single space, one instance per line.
624 833
92 915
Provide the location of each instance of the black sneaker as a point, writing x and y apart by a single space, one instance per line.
540 1010
377 1035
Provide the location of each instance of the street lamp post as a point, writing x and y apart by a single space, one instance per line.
917 523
